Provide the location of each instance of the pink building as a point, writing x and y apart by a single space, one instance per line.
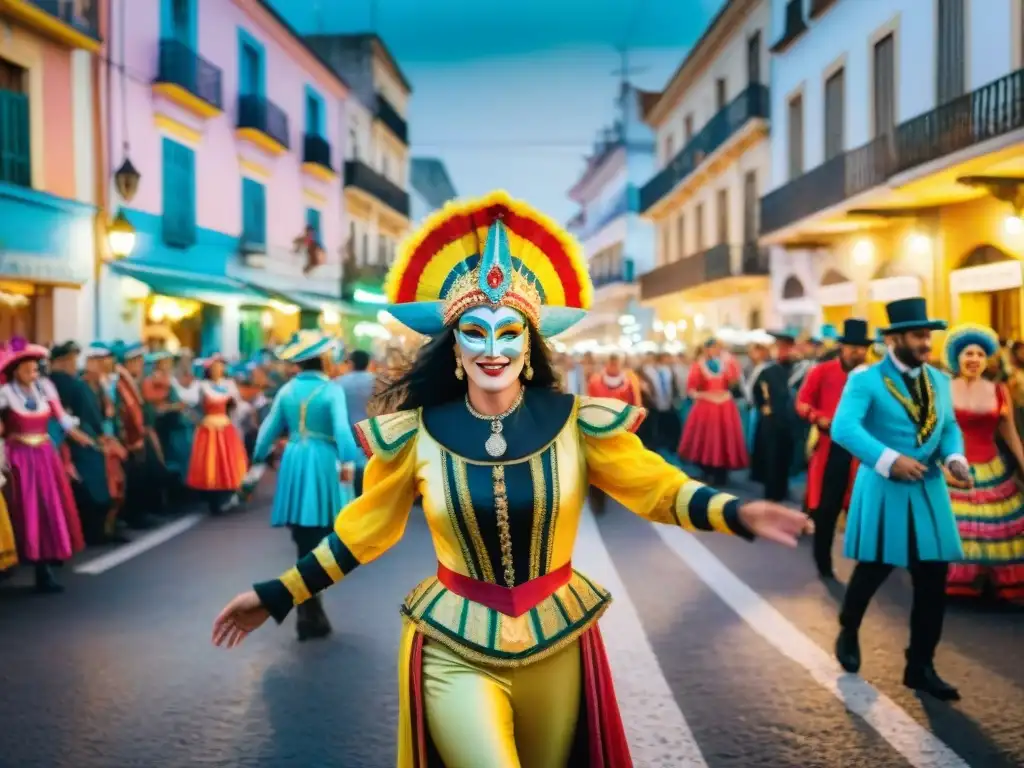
236 128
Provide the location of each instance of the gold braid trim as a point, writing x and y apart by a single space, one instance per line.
925 429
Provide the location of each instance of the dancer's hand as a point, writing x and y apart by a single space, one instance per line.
775 522
961 473
906 468
241 616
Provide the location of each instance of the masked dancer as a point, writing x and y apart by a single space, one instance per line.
897 419
990 516
318 465
502 461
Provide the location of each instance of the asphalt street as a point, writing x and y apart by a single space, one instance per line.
720 651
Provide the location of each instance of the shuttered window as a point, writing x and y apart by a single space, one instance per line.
723 216
681 236
15 153
313 220
950 50
885 85
699 227
835 114
179 171
750 207
754 58
796 137
254 214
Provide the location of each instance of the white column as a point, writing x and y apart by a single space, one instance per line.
229 323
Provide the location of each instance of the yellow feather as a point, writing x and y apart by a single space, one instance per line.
469 243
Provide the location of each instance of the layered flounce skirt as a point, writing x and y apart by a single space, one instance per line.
218 461
309 493
990 518
40 503
714 437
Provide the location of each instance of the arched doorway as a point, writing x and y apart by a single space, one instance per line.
987 290
793 288
837 296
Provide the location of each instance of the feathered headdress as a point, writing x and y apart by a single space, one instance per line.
964 335
493 251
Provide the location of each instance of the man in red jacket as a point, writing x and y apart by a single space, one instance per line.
832 469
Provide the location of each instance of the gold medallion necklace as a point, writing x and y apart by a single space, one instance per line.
496 444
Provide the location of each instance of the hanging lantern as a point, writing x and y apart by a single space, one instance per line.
121 236
126 180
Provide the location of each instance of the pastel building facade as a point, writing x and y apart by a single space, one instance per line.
897 149
713 163
618 244
237 131
48 177
430 187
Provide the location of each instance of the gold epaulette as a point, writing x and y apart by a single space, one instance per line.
384 436
606 416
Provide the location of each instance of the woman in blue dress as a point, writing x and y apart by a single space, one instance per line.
314 480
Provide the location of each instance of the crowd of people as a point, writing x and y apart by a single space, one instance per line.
116 438
769 409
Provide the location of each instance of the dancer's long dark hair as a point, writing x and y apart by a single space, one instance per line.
431 380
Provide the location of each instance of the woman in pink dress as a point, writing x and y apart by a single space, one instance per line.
39 498
713 436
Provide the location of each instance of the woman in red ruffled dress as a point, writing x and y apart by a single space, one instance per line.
713 436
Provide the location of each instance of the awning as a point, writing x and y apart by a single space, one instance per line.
210 289
304 300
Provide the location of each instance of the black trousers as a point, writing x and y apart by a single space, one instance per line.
926 614
306 539
834 484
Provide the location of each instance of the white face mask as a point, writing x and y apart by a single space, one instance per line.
492 345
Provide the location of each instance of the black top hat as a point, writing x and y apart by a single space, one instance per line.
784 336
910 315
855 333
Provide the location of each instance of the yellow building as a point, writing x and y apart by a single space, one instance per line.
712 128
929 205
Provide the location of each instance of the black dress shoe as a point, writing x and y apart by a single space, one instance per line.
304 624
321 626
848 650
46 584
924 678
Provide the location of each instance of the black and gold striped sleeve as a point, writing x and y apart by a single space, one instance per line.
363 531
643 482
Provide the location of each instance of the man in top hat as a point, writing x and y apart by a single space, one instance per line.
897 419
831 471
777 426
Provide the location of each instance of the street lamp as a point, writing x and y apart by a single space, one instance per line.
126 180
121 236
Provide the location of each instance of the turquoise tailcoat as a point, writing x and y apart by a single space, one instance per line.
311 409
870 419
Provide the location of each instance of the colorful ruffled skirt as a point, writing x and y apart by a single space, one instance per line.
990 518
40 502
309 493
218 461
713 436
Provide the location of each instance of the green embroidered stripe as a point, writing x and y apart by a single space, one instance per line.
616 423
535 618
389 448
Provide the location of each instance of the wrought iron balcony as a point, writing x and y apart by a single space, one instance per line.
752 103
388 115
361 176
83 16
179 65
625 274
261 114
316 150
986 113
796 25
717 263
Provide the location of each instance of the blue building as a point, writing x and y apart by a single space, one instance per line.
431 187
619 245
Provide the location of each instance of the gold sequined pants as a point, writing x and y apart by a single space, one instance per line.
493 717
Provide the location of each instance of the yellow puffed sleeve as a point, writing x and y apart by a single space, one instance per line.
364 529
641 480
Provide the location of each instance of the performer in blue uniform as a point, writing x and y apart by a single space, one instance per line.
897 418
315 477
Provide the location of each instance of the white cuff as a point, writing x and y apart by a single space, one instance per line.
69 422
956 457
884 464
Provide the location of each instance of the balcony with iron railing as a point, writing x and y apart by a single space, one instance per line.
78 25
263 123
986 113
716 263
362 177
316 157
394 122
189 80
625 273
752 103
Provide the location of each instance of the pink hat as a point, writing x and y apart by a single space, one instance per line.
216 357
17 350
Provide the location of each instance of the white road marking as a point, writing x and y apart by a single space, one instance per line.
142 544
657 732
921 747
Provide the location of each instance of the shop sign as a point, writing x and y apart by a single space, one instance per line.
1001 276
888 289
837 295
44 269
